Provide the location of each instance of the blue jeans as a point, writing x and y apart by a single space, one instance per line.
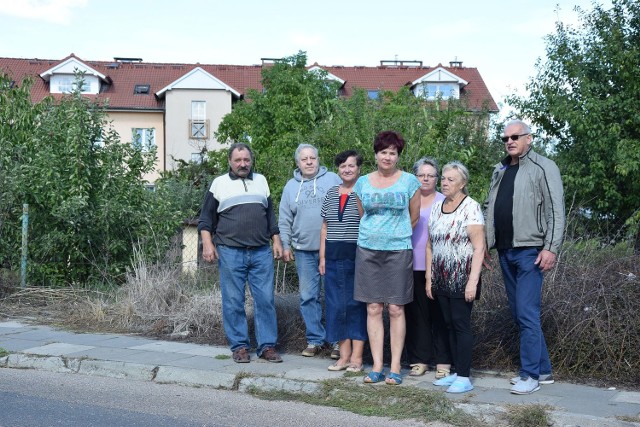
523 283
310 287
346 317
237 266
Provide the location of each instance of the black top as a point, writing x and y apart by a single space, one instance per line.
503 208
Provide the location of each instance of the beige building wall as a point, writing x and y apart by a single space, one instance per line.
124 122
178 114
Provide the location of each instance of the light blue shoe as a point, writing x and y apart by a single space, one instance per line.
461 385
448 380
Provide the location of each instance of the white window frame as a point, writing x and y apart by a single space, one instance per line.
143 139
198 125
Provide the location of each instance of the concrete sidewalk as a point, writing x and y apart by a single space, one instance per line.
128 356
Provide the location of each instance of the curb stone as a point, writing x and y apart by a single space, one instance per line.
278 384
113 369
194 377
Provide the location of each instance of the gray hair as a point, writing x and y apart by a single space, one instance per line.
524 128
301 147
240 146
462 170
430 161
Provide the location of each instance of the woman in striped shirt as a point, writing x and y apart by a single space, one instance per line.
346 318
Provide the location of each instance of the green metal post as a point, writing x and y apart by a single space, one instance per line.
25 239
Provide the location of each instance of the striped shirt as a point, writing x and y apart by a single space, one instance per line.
342 225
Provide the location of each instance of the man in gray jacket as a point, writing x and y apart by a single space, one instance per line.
524 217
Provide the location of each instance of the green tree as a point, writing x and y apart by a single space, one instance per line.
293 103
87 201
302 106
585 100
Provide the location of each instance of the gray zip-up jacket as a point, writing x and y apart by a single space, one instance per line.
538 203
300 221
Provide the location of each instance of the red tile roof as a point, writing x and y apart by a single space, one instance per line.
125 75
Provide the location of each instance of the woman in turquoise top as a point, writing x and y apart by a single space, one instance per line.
390 203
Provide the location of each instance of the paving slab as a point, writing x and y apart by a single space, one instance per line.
13 324
124 341
154 357
627 397
46 334
57 349
168 347
15 344
111 354
195 362
90 339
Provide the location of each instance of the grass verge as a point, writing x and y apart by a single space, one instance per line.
398 403
527 416
3 352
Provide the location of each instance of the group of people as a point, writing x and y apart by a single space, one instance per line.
390 240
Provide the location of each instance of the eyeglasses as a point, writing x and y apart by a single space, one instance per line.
513 137
429 175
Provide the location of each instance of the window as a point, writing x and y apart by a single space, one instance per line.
196 158
142 89
67 85
442 90
198 125
144 138
373 94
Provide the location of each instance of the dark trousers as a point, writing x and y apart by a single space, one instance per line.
427 337
457 317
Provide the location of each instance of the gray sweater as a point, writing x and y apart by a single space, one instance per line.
299 220
538 203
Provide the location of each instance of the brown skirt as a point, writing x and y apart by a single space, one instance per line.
384 276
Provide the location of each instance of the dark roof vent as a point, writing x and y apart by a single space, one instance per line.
142 89
113 65
123 59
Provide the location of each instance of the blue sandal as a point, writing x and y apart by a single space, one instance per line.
393 379
374 377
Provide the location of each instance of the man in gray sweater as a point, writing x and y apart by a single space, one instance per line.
524 220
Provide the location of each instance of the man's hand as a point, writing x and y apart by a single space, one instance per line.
288 255
209 252
276 247
546 260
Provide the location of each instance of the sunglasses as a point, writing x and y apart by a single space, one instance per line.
513 137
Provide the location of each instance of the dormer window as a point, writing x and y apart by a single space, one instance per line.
441 90
65 83
142 89
438 84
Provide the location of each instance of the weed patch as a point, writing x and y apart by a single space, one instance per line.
3 352
398 403
527 415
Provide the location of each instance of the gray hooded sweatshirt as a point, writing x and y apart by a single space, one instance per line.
299 220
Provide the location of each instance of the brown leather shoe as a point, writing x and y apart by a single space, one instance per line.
271 355
241 355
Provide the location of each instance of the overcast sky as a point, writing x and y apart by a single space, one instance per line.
502 38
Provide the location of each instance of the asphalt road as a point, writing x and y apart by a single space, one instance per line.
31 398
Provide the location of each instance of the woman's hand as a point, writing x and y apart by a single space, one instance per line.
470 292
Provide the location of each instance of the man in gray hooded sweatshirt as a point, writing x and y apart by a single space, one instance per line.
300 223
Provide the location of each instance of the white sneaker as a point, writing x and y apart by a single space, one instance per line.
448 380
542 379
525 386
